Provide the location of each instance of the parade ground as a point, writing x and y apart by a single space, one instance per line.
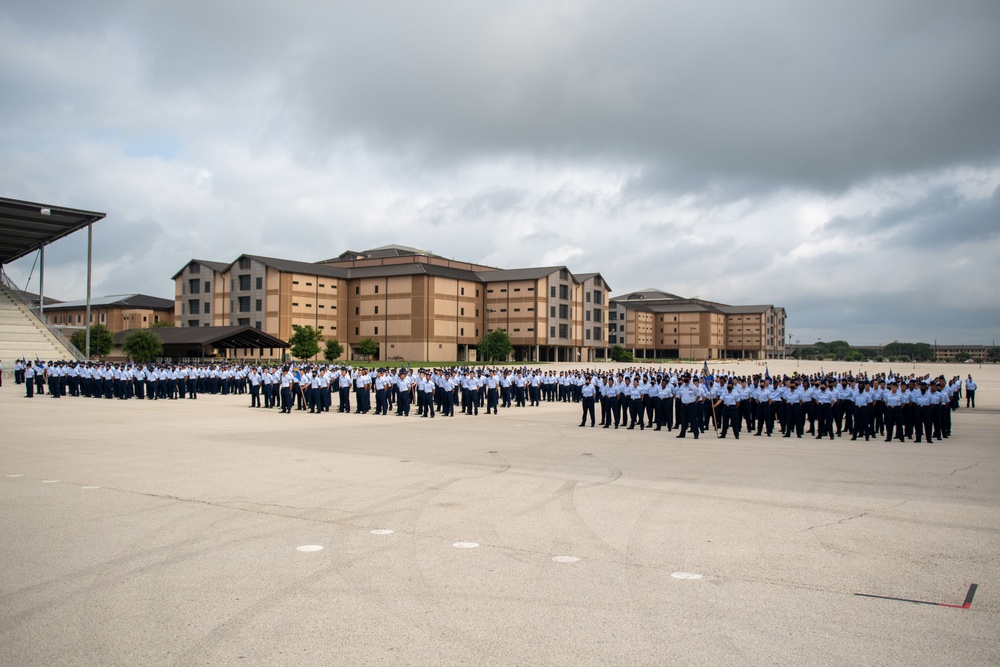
208 533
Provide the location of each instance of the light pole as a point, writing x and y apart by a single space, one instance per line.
798 355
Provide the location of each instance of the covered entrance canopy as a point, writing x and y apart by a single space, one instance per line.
202 342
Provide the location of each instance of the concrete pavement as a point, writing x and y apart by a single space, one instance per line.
169 533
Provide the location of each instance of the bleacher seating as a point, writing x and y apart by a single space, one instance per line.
23 335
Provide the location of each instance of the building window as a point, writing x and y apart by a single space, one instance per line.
376 291
244 262
563 311
376 310
376 331
295 304
517 310
563 331
259 305
503 290
588 315
357 289
309 284
477 292
260 283
461 312
243 321
597 333
597 314
563 292
552 312
552 292
195 268
355 331
194 306
461 291
552 332
208 308
257 325
489 291
192 323
245 305
598 295
194 286
461 332
516 329
357 310
531 328
588 297
588 334
244 282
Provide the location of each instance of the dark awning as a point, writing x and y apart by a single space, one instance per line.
223 338
26 226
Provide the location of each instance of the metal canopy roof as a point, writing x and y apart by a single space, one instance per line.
220 337
24 227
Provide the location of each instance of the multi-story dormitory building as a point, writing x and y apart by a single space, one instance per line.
658 325
414 304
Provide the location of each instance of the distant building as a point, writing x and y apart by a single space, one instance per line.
654 324
413 303
952 352
117 312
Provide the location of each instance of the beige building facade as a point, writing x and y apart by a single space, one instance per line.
653 324
118 312
415 305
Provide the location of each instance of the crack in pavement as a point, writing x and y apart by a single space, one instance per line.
856 516
963 469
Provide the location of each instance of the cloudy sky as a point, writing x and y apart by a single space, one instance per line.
841 159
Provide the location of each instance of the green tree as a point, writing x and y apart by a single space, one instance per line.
142 345
963 357
304 342
333 350
101 340
495 346
161 324
854 355
619 353
368 346
993 354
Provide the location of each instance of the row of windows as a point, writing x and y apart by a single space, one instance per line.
68 319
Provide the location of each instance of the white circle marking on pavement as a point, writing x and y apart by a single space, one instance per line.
310 547
685 575
565 559
50 481
465 545
382 531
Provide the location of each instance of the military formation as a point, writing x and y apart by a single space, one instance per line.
820 405
310 388
693 402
